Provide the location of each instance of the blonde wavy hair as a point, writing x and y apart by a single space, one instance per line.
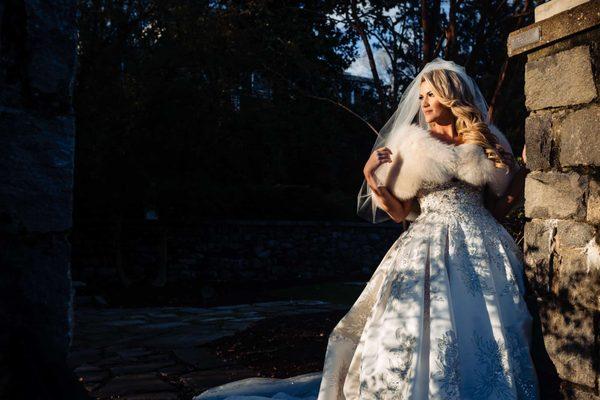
470 125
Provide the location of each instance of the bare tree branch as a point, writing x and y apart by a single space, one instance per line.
305 94
345 108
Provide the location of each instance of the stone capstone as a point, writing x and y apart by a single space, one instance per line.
559 29
553 7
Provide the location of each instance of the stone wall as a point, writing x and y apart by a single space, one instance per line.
229 251
37 63
562 197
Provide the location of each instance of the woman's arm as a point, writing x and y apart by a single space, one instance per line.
395 208
500 206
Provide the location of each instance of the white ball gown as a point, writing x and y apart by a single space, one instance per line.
443 316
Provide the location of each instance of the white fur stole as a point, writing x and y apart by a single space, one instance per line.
418 157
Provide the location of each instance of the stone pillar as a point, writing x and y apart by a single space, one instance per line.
562 191
37 67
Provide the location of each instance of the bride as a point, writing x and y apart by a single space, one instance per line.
443 316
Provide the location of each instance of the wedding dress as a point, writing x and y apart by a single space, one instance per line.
443 316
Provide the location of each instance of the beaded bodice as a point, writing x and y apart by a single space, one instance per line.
452 199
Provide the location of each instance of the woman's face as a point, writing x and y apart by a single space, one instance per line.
433 110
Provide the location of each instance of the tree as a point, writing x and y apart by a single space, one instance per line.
157 126
412 33
161 83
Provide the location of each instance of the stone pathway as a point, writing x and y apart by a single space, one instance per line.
158 353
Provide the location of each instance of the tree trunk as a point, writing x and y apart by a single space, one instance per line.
357 24
493 103
427 37
429 23
450 50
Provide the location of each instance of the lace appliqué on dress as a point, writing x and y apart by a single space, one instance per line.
447 362
479 254
391 383
506 367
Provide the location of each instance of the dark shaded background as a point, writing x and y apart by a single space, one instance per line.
224 109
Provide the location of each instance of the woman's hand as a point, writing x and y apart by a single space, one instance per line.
378 157
395 208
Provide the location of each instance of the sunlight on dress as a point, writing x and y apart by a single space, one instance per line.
442 317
